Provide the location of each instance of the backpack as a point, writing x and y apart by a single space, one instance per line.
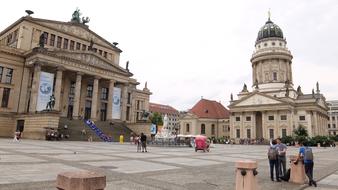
272 153
308 155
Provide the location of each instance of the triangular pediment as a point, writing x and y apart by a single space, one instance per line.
256 99
322 103
91 59
77 30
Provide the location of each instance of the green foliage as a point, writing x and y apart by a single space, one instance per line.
287 140
301 131
156 119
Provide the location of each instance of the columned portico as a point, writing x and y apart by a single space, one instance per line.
57 91
77 95
110 100
94 99
35 88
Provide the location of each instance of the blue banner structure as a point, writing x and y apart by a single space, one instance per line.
98 131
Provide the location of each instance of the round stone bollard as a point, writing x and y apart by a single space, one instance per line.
246 172
297 171
80 180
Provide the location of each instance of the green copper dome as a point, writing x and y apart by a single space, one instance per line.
269 30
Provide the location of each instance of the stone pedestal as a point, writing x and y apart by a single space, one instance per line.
246 175
82 180
297 171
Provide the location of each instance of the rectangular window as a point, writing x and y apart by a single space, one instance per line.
71 45
52 40
283 117
84 47
5 97
100 52
104 94
248 133
65 43
274 75
105 54
78 46
1 71
238 118
328 125
128 113
59 41
187 127
302 118
9 76
90 91
213 129
45 37
248 118
334 125
72 88
224 128
271 117
271 133
333 118
284 133
202 129
129 98
238 133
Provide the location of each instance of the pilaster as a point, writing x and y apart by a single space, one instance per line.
35 88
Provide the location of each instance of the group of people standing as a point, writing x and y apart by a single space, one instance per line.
277 161
140 141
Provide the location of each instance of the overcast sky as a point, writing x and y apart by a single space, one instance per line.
186 49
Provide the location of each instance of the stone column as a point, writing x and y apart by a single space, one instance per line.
94 99
24 90
124 101
35 88
77 95
110 100
57 90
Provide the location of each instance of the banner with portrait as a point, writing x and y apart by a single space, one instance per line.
45 90
116 112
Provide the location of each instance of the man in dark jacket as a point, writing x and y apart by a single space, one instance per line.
144 142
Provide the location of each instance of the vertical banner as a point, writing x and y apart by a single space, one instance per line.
116 112
45 90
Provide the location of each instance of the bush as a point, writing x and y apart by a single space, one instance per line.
287 140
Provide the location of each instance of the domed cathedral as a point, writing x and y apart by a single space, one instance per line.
274 108
55 73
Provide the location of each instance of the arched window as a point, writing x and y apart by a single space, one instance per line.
203 128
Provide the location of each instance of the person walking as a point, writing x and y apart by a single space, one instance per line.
144 142
273 160
305 154
281 148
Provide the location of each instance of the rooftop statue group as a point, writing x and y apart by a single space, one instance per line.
76 17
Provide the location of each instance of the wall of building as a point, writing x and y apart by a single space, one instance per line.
7 125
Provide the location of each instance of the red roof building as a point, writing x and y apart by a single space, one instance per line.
172 113
206 117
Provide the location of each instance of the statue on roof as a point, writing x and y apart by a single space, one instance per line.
85 20
231 97
90 47
245 88
313 93
76 16
42 40
299 90
127 66
317 88
287 92
256 84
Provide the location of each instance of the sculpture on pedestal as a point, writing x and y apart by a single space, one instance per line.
50 105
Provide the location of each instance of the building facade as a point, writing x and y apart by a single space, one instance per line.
172 113
206 117
332 126
274 108
40 58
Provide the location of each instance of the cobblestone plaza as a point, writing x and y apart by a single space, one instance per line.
31 164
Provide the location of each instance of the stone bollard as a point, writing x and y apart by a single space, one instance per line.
297 171
246 175
80 180
318 145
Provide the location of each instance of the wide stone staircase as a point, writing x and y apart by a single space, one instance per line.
75 128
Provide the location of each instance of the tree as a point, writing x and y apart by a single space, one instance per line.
301 131
156 119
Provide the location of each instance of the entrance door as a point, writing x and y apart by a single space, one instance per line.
70 112
259 127
88 109
20 125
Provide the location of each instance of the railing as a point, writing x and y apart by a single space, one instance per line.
98 131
